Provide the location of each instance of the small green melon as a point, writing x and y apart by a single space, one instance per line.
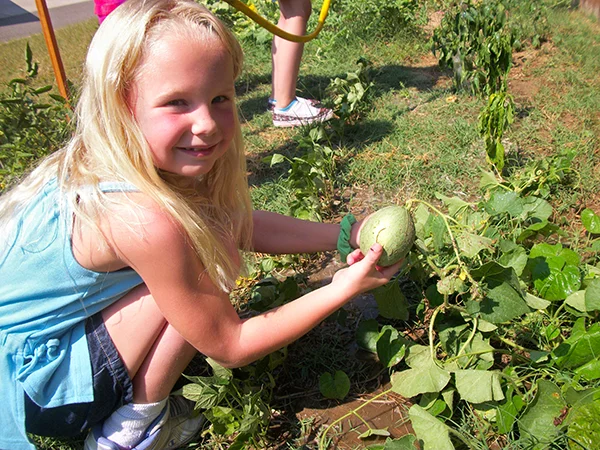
393 228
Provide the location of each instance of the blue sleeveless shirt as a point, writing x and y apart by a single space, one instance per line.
45 297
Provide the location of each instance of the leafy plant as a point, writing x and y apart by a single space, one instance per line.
351 20
476 43
236 406
352 95
310 175
33 122
494 120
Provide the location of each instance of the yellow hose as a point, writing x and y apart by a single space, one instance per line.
240 6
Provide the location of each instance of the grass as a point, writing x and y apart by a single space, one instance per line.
418 139
72 40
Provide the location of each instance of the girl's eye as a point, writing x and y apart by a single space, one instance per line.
220 99
177 102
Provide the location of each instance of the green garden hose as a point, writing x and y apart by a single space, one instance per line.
240 6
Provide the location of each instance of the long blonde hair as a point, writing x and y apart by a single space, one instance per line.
108 144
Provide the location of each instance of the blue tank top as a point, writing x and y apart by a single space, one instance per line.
45 297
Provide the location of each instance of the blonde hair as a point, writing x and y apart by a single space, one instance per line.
108 144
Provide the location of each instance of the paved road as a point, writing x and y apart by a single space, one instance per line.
19 18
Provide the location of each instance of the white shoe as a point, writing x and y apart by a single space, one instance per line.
175 426
301 111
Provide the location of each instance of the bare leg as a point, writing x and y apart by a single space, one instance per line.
153 352
286 55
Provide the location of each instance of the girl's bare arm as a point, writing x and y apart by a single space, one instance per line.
203 314
276 234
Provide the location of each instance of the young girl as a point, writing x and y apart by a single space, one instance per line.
118 251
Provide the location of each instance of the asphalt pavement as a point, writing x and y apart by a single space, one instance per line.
20 18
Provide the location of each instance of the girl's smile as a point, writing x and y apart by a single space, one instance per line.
183 101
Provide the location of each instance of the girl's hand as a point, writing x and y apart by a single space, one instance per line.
364 274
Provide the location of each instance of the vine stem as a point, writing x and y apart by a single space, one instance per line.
471 336
445 218
431 323
512 344
351 413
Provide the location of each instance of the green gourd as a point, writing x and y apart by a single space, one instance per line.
394 229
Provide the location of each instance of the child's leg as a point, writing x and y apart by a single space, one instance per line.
286 55
155 355
153 352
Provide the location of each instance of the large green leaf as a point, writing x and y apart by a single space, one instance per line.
580 348
592 295
516 258
434 434
501 304
391 301
367 335
537 422
504 202
404 443
478 386
536 208
471 244
390 346
583 426
423 376
591 221
507 411
554 271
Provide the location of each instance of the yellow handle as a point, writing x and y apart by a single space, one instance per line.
240 6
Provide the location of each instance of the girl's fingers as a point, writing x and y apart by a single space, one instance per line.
354 257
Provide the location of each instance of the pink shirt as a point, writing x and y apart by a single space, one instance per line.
103 8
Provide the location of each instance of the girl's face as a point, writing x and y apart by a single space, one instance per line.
183 100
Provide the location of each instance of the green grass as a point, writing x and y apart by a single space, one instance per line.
72 40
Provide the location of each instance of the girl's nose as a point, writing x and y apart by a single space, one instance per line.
203 123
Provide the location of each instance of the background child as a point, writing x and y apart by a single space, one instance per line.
120 249
288 110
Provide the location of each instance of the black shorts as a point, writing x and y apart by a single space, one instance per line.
112 389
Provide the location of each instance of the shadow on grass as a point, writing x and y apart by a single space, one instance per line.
386 79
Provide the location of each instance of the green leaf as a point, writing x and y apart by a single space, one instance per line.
507 411
434 434
591 221
589 371
205 396
455 205
367 335
391 348
334 386
537 422
425 376
391 301
554 271
577 300
404 443
536 302
592 295
501 304
583 425
579 349
223 419
471 244
515 258
274 159
537 208
478 386
504 202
